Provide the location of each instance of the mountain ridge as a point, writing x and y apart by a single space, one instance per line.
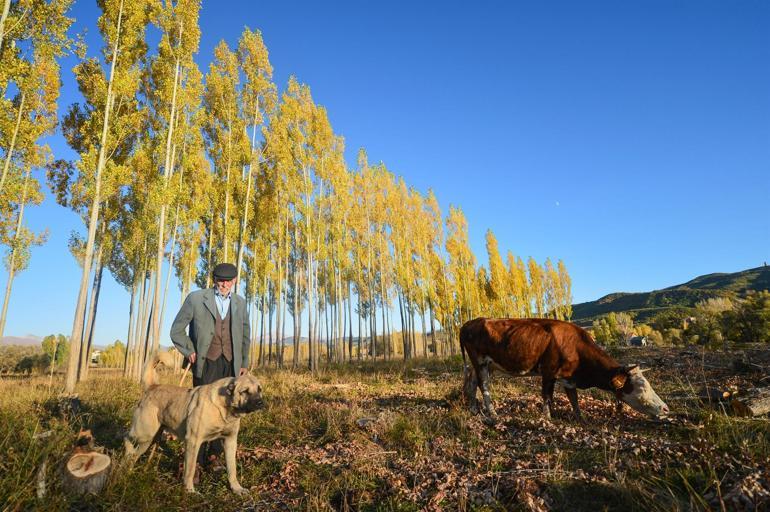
646 304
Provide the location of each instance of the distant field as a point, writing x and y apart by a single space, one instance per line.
389 436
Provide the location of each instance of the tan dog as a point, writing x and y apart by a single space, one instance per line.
197 415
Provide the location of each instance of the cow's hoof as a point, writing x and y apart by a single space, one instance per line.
474 410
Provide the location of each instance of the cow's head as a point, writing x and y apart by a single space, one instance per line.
631 387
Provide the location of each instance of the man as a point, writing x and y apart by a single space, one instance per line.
218 343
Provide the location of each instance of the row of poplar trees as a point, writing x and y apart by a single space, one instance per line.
177 171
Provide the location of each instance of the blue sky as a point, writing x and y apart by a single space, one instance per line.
630 139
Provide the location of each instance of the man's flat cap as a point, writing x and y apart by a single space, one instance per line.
225 271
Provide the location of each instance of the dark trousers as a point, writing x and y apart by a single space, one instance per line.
212 372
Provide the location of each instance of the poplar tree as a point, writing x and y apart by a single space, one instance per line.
536 286
462 264
102 131
258 98
565 285
17 258
227 145
498 279
33 34
173 63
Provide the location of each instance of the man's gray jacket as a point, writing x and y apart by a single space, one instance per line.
199 311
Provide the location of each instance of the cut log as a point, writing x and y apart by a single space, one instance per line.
715 395
86 472
752 403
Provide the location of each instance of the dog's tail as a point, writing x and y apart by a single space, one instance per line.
149 375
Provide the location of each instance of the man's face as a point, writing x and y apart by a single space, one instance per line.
224 286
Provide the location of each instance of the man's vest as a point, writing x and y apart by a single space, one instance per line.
222 344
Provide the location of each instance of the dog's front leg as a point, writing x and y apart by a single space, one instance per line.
231 445
192 446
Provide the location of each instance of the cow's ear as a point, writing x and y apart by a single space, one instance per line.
631 367
619 380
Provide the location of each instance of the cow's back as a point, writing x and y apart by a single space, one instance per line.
516 345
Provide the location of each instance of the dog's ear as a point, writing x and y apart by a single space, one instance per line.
231 388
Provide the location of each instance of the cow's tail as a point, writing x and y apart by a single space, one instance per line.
149 375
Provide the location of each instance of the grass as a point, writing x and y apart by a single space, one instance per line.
394 436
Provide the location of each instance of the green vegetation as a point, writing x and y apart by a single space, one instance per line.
717 322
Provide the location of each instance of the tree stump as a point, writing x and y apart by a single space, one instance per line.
86 472
753 403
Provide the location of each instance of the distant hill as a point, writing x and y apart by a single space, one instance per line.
28 340
647 304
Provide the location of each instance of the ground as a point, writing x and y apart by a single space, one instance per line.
395 436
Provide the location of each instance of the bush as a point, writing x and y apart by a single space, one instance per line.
37 363
10 356
750 320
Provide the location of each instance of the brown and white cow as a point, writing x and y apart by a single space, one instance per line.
556 350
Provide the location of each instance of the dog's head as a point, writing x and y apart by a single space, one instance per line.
244 394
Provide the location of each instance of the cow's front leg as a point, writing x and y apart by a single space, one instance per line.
470 383
547 393
572 395
231 445
489 410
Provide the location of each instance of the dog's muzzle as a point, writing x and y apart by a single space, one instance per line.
251 405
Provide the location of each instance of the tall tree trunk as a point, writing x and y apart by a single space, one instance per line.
85 353
404 338
253 334
12 146
424 338
391 347
12 258
76 338
270 329
433 329
325 319
262 328
350 321
129 336
138 327
168 170
373 320
171 252
227 182
360 327
144 328
245 219
3 17
210 248
9 284
284 305
297 319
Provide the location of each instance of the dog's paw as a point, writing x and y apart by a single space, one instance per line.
240 491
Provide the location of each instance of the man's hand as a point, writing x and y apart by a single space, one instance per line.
192 358
243 372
